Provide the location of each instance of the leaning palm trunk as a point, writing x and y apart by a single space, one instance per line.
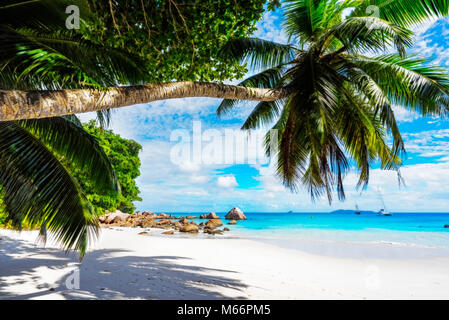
18 104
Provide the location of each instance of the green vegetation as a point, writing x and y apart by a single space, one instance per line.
177 40
169 40
124 157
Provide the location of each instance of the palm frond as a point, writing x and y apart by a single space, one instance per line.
263 114
405 13
104 117
31 12
363 135
43 59
306 20
226 106
270 78
38 189
367 88
70 140
368 34
260 54
409 81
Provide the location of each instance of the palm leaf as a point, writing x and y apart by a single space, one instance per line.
58 59
368 88
31 12
405 13
306 20
368 34
38 189
409 82
68 139
260 54
263 114
363 134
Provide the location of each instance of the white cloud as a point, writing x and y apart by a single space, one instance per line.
432 143
189 167
268 28
403 115
227 181
199 179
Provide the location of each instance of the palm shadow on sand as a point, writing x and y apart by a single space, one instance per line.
103 276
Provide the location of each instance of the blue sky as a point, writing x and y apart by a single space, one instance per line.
187 186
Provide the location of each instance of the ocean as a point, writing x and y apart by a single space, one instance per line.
402 228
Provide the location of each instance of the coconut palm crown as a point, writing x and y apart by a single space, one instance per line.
343 76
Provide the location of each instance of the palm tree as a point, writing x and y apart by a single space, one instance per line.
23 104
341 87
35 187
329 97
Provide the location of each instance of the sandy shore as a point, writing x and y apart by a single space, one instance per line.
125 265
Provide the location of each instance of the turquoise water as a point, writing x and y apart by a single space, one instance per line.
420 229
417 222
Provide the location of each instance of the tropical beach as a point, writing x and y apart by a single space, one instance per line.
224 150
144 263
125 265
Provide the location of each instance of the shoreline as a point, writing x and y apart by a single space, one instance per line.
351 248
125 265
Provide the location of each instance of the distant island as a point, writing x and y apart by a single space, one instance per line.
341 211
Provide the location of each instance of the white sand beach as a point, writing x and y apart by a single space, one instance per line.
125 265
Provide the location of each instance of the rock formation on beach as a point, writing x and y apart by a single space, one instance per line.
163 216
235 214
190 227
210 215
144 223
214 223
183 220
165 221
211 231
114 217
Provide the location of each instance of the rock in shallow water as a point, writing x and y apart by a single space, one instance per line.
184 220
211 215
214 223
192 228
235 214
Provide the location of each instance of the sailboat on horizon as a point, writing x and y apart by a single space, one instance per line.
383 211
357 210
